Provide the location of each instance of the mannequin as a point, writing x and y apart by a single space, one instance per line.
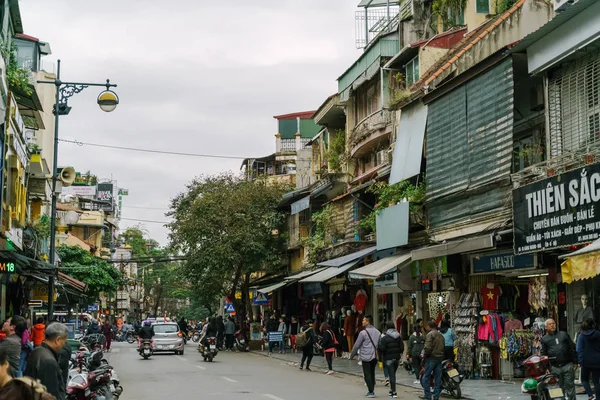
584 313
350 329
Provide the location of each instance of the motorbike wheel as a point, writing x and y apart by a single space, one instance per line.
105 391
195 338
210 358
453 389
130 339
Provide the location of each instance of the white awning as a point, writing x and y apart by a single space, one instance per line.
455 247
303 274
337 262
381 267
300 205
329 273
272 288
408 151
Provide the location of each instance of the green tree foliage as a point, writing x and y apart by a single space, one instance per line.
99 275
322 233
227 227
336 153
17 77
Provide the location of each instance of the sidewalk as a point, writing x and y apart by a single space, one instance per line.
471 389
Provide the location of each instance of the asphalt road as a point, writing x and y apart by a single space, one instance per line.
242 376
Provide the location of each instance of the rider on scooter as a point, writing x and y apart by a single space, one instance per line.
209 330
146 332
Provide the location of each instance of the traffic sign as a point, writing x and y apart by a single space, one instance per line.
261 299
229 308
93 307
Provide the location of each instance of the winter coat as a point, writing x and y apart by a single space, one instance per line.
38 333
434 345
94 329
391 345
272 325
229 327
310 335
449 336
282 328
64 355
415 345
559 347
43 365
328 341
11 345
588 349
365 342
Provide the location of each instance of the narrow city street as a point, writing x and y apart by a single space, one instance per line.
231 375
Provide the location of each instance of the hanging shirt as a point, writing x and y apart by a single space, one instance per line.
490 297
360 301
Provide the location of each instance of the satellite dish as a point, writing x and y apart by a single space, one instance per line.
71 218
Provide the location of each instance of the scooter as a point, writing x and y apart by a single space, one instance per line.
540 385
451 379
196 336
146 348
241 344
129 337
208 351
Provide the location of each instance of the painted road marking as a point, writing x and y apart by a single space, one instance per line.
272 397
180 358
229 379
200 366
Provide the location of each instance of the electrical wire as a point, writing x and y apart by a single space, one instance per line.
173 153
144 220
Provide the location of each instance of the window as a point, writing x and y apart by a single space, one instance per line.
412 71
165 328
367 100
482 6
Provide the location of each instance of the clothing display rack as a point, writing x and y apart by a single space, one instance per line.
466 315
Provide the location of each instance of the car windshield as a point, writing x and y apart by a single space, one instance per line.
165 328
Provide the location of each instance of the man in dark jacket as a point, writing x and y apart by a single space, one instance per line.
433 353
392 348
13 328
559 347
43 361
64 355
220 332
307 349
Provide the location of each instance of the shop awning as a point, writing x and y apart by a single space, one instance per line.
303 274
272 288
337 262
300 205
594 246
381 267
581 264
455 247
329 273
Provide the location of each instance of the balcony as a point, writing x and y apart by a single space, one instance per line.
370 130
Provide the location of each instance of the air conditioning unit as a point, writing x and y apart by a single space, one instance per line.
381 157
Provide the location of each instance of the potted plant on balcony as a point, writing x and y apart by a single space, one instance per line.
33 148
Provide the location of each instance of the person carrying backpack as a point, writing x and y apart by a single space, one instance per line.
416 344
392 348
306 340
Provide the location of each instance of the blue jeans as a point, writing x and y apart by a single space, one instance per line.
22 363
435 367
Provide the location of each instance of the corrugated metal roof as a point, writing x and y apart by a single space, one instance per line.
303 274
336 262
557 21
382 267
329 273
271 288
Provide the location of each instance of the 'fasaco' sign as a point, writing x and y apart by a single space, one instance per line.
559 211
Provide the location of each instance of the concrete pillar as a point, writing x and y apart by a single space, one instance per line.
278 143
298 142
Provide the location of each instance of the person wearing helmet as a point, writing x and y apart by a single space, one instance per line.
530 385
147 332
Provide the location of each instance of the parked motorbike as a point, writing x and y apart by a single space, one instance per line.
451 379
94 380
130 337
95 341
241 344
540 384
208 348
146 348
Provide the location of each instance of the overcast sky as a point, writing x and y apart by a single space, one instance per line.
194 76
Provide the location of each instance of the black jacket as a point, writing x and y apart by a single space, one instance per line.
43 365
146 332
64 355
310 336
559 348
93 329
272 325
328 341
391 345
415 345
11 345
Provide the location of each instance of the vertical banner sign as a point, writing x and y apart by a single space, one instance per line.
557 212
122 192
105 193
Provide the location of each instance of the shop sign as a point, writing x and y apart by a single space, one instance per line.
8 268
430 268
312 289
79 190
16 237
386 281
557 212
500 262
105 193
93 308
40 292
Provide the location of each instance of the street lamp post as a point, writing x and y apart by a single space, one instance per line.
107 100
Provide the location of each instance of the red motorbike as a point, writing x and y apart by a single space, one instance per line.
241 343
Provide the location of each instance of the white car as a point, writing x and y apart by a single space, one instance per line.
167 338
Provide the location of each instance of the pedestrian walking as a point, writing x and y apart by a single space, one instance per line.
43 361
220 332
392 348
588 356
294 328
328 344
107 332
26 349
38 332
13 328
433 353
416 343
306 339
283 329
449 339
366 344
561 351
229 332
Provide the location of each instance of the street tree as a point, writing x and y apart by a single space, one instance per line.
99 275
228 229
